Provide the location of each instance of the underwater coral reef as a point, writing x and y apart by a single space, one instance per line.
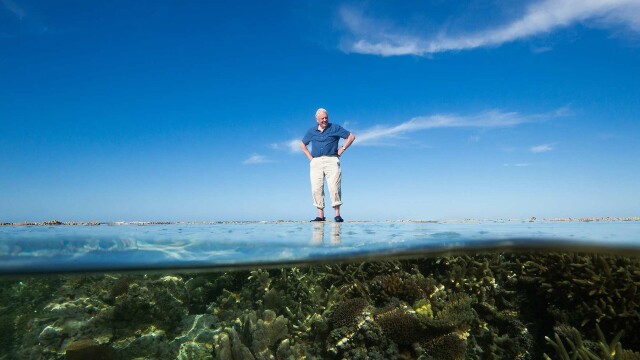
484 306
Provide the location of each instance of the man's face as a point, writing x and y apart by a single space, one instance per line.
323 119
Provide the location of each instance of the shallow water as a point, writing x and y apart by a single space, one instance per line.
37 249
298 290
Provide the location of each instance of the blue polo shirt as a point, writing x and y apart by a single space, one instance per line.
325 142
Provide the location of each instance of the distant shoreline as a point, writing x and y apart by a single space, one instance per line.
124 223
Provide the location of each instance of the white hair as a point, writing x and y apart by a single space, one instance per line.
321 110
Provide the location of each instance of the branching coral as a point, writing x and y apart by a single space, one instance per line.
588 350
585 289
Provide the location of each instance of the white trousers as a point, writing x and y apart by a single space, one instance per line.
326 167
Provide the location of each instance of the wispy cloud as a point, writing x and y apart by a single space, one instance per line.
517 165
540 49
489 119
541 148
368 36
292 145
256 159
14 8
473 139
389 135
28 22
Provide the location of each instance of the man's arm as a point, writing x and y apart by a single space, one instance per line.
347 143
306 151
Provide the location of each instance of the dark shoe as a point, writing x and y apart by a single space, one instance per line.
338 218
318 218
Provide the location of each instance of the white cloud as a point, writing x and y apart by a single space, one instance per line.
256 159
388 135
372 37
541 148
291 145
489 119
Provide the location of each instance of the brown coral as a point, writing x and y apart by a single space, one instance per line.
347 312
400 326
457 310
120 286
401 285
447 347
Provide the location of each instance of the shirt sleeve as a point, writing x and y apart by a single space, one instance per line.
342 132
307 138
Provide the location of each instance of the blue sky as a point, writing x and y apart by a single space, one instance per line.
187 110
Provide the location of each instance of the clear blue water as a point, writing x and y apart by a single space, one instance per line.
114 247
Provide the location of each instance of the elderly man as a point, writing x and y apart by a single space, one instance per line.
325 161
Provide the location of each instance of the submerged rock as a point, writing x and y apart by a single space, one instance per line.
194 351
89 349
150 343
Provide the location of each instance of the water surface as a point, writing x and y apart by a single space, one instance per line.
113 247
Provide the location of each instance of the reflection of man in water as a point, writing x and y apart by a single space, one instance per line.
317 233
325 162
